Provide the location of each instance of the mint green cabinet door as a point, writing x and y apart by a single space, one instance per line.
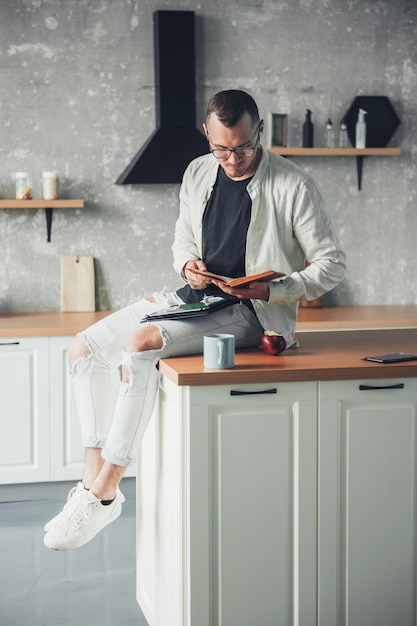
367 503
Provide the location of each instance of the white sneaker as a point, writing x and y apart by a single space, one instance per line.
72 496
82 520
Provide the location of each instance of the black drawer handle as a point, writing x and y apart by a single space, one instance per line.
372 387
10 343
251 393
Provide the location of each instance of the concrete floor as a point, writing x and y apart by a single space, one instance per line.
94 585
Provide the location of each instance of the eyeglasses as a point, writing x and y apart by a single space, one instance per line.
243 151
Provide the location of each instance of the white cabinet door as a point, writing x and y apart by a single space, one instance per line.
227 506
67 454
367 506
24 415
253 489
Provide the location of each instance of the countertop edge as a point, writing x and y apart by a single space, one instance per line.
326 319
239 377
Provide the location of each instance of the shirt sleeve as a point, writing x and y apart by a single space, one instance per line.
185 247
316 235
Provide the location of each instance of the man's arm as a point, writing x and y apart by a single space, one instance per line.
187 234
314 230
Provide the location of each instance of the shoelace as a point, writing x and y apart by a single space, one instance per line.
73 492
72 497
81 514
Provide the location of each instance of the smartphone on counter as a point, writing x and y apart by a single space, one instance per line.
395 357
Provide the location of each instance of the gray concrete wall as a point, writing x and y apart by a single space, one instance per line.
77 95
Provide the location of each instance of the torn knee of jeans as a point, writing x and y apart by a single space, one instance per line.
164 335
80 365
79 355
142 344
130 374
144 349
124 374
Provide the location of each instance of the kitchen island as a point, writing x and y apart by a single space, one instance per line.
283 491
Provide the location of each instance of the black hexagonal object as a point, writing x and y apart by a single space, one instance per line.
381 120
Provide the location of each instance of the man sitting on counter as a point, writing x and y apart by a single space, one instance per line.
243 210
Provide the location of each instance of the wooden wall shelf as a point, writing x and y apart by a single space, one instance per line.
48 205
333 152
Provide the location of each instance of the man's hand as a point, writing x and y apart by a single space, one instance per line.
195 281
258 290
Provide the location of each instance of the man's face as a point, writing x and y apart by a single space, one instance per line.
236 165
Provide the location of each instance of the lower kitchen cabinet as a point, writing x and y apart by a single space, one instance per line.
367 503
295 507
227 506
40 437
24 402
39 429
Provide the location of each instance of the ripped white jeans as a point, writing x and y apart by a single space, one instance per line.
114 414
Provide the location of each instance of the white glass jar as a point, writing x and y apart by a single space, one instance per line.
23 186
50 182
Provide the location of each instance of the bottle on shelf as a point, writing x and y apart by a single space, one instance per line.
330 139
360 130
308 131
343 135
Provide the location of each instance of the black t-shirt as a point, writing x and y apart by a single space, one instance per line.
225 225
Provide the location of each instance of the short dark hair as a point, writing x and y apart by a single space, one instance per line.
230 106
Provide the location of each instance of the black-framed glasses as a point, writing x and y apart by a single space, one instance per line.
244 151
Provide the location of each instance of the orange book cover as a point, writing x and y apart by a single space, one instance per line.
241 281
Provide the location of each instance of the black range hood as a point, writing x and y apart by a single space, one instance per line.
176 140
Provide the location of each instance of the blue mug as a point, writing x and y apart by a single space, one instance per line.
219 351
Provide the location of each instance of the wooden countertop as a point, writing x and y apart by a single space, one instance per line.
325 319
357 317
47 324
334 355
321 356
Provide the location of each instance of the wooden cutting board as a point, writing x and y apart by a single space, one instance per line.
77 283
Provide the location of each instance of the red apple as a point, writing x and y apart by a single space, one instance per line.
273 343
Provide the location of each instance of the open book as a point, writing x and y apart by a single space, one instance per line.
208 304
242 281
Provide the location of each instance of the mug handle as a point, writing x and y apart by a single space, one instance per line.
221 352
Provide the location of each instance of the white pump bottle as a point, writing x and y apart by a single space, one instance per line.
360 130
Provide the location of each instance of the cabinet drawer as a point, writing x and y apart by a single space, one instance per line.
262 393
381 389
